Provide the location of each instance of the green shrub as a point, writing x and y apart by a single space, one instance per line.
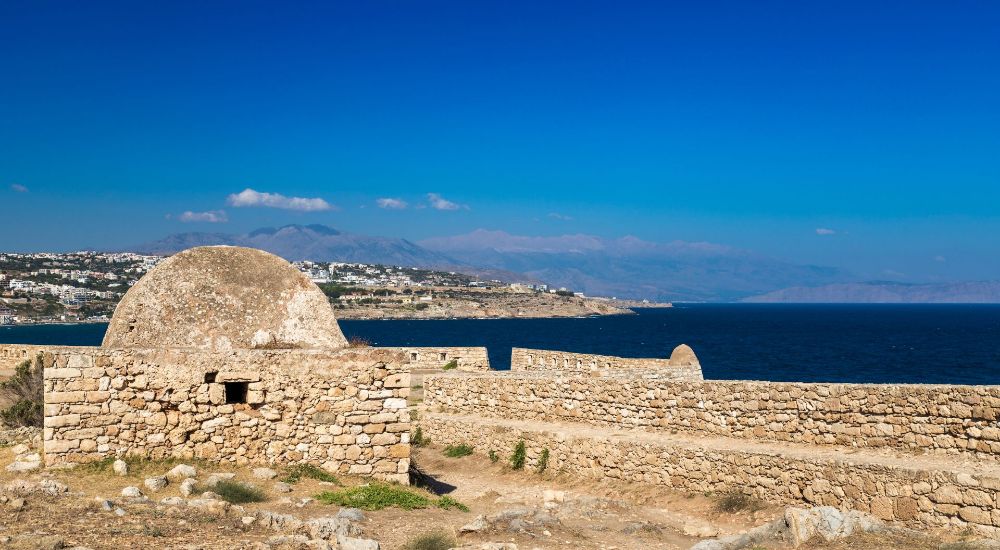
377 496
494 457
450 365
438 540
418 439
25 390
447 503
235 492
456 451
358 342
543 461
735 501
299 471
520 454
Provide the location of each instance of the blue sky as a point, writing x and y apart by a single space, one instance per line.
752 124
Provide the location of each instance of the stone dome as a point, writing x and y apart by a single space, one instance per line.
683 356
220 298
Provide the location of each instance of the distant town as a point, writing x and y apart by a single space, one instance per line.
86 286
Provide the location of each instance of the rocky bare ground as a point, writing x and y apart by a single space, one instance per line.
173 504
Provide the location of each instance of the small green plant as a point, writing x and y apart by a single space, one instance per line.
377 496
447 503
735 501
450 365
543 461
102 465
299 471
235 492
25 391
520 455
358 342
152 531
456 451
418 439
438 540
494 457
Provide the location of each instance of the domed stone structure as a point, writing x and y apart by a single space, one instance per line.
219 298
683 356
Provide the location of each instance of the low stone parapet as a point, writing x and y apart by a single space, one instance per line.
920 490
536 360
938 419
467 359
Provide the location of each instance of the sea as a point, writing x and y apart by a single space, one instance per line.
924 344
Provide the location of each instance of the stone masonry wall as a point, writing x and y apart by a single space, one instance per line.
535 360
924 418
469 359
343 410
892 490
11 355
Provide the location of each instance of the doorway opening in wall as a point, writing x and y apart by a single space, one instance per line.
236 392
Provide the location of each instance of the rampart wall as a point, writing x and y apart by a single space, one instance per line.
345 410
11 355
536 360
434 358
926 454
928 418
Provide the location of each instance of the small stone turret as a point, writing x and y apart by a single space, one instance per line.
683 356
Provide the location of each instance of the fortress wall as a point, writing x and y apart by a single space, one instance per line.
536 360
344 410
12 355
920 418
469 359
901 491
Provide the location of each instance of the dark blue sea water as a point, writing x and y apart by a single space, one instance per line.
957 344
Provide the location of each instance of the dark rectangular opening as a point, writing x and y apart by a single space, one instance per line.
236 392
210 377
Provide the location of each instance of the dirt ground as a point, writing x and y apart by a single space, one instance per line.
561 512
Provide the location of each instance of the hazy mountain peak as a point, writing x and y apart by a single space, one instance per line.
627 267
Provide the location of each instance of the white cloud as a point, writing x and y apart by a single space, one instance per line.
18 188
391 204
212 216
940 259
249 197
825 231
561 217
440 203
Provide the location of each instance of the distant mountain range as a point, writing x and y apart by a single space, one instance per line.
633 268
310 242
984 292
627 267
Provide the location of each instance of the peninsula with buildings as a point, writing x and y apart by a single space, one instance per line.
86 286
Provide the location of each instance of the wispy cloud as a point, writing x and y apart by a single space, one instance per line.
825 231
440 203
940 259
18 188
248 197
391 204
212 216
561 217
